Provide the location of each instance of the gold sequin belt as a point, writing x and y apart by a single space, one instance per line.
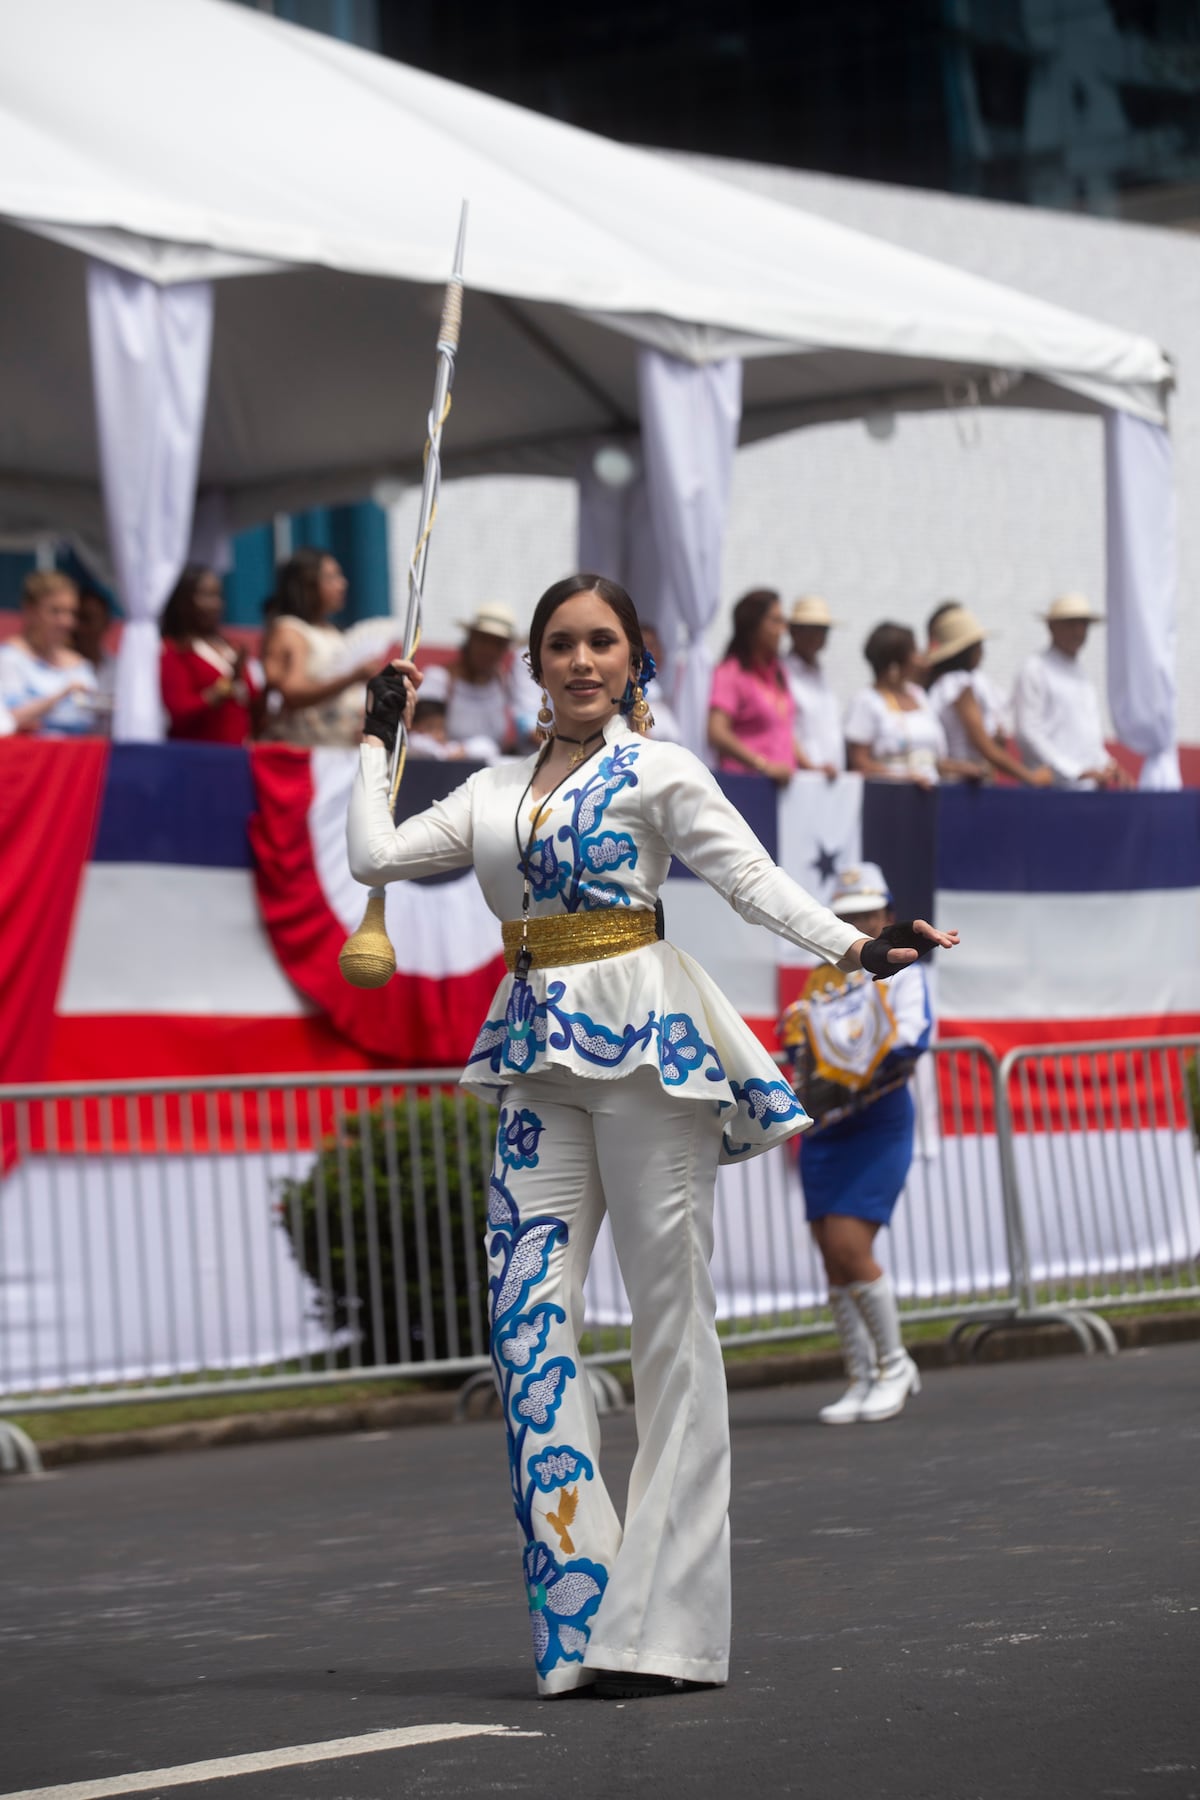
555 939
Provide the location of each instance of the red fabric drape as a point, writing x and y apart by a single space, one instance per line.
50 792
413 1022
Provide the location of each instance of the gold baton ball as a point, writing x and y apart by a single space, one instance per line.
367 959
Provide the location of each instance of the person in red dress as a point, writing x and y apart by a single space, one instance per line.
212 690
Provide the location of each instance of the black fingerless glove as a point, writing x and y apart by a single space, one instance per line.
387 696
874 953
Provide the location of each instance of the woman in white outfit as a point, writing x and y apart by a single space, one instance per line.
892 733
316 674
624 1077
970 710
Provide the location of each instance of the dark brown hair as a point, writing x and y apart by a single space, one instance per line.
179 614
613 596
297 593
748 615
888 644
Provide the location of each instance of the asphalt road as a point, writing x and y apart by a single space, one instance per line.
995 1596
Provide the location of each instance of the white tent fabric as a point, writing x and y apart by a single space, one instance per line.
323 208
150 349
1141 593
690 420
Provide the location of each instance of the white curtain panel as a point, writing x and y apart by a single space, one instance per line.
616 538
150 360
690 416
1142 541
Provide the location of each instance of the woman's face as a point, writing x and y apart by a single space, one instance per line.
586 661
769 633
208 602
331 587
912 669
50 625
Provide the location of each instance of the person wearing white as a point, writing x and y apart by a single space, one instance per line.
45 684
1056 707
490 693
970 710
316 674
429 738
623 1076
891 733
818 725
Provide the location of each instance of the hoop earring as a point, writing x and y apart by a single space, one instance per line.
545 719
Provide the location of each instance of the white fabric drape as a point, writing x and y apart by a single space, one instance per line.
1142 529
150 359
690 416
616 538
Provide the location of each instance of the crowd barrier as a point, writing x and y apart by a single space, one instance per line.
160 1241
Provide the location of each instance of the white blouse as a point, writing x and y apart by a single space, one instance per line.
605 838
908 743
943 698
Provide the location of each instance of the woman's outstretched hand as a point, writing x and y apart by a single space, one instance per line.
898 945
391 698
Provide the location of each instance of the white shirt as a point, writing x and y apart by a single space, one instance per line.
25 677
422 744
604 840
907 743
943 697
1057 713
818 717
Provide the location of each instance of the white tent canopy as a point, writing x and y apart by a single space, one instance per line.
189 142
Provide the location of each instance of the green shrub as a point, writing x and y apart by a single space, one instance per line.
372 1212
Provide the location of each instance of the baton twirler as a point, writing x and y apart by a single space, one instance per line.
367 958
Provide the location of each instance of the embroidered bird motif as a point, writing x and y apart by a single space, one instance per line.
568 1502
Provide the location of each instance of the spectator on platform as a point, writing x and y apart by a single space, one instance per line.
667 729
971 711
1056 707
819 741
430 738
751 716
212 690
891 732
45 684
91 631
316 685
491 695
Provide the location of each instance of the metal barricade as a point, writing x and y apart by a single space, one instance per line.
167 1241
163 1241
1101 1143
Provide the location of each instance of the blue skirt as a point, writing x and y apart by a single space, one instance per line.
857 1168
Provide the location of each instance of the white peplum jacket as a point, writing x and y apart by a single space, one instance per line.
605 838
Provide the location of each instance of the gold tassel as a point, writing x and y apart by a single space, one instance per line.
367 959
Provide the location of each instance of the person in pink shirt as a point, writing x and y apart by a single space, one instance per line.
751 713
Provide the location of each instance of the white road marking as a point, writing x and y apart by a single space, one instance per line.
294 1756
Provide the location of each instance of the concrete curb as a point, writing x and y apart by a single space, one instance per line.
1010 1344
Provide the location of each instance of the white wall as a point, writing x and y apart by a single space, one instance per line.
1001 510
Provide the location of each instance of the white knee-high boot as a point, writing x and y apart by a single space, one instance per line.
858 1352
897 1377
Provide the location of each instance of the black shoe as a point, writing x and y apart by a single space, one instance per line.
617 1684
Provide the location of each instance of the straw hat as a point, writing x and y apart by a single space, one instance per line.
952 631
860 889
810 609
1070 607
493 620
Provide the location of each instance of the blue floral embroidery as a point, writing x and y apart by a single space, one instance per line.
553 877
563 1594
562 1597
518 1138
682 1052
762 1103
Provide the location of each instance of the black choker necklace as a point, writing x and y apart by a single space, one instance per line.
581 744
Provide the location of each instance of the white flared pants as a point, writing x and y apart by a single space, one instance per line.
653 1596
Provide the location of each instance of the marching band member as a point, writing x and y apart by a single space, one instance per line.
854 1163
623 1077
